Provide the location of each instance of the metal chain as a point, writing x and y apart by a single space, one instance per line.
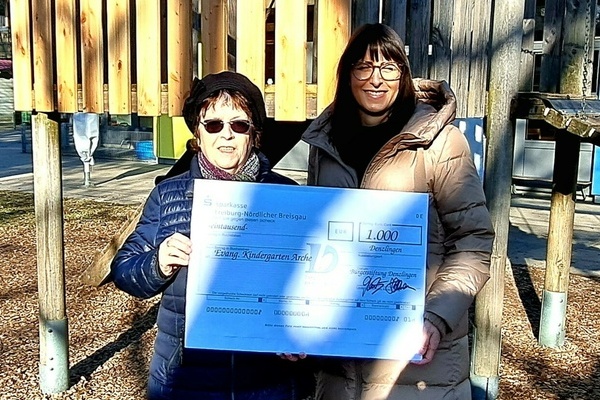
586 60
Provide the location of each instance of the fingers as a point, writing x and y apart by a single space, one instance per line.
292 357
431 342
174 253
179 242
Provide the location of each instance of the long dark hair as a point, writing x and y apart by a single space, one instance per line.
376 38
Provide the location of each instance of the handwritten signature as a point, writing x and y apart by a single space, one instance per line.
374 285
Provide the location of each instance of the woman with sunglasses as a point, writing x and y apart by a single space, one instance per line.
226 113
386 131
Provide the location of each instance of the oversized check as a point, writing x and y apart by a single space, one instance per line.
324 271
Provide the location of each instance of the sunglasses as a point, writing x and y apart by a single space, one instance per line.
216 125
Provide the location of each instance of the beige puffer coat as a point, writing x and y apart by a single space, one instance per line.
428 155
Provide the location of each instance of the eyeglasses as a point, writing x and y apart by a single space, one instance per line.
237 125
390 71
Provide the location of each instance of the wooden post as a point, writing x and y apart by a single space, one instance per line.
578 25
560 240
506 53
54 342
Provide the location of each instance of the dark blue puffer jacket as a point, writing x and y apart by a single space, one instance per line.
177 372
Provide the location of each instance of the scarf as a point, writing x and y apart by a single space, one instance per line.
248 172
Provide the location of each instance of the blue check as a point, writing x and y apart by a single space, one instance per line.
290 269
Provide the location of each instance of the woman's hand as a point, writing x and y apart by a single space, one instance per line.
292 357
174 253
431 341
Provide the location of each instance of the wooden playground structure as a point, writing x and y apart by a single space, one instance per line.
131 56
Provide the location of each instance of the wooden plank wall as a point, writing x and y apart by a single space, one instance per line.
293 96
459 50
446 39
80 55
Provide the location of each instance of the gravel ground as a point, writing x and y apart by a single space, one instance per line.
111 333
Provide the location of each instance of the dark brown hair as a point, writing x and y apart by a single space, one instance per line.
228 97
377 39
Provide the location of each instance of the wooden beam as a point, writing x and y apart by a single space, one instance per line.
333 20
311 100
478 75
21 55
461 54
119 64
66 51
213 35
551 48
250 41
441 33
97 273
148 57
527 57
418 41
364 12
92 56
394 15
43 55
179 49
290 60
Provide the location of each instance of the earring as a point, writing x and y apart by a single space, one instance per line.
198 142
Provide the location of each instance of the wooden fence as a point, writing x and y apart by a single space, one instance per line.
98 56
136 56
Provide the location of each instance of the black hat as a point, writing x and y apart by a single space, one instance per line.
203 88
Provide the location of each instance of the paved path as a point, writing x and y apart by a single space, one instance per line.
529 217
114 180
126 181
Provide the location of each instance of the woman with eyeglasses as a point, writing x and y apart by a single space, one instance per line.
386 130
226 113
